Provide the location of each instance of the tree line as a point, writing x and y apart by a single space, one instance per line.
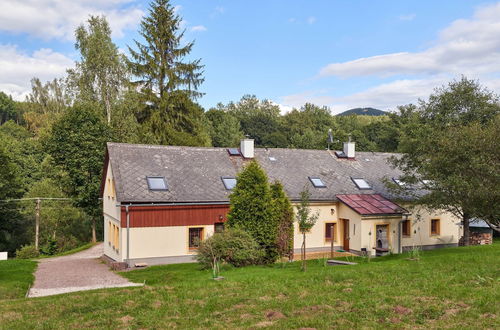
52 144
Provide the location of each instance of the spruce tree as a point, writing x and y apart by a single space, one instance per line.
284 214
252 209
166 81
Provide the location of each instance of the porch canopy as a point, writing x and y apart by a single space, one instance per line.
371 204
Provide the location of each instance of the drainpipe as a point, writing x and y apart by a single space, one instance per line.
128 235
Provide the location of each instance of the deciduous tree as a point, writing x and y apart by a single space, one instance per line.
77 144
452 148
305 220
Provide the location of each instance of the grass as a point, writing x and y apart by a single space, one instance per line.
16 275
452 288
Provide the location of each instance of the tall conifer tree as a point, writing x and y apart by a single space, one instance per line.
252 209
167 83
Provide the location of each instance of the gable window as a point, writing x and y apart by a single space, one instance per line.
317 182
435 227
330 231
229 182
361 183
406 228
157 183
195 237
219 227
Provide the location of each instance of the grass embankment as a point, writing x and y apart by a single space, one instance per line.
15 278
457 288
72 251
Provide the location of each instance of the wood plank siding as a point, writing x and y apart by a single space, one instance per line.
177 215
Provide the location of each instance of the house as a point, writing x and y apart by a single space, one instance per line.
159 201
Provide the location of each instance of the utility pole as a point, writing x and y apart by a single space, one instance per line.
37 222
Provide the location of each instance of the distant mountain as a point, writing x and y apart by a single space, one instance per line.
363 111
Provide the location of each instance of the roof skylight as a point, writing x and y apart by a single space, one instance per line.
157 183
399 182
233 151
361 183
317 182
229 182
273 159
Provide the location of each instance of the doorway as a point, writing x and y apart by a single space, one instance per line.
346 238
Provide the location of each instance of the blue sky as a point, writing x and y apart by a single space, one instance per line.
341 54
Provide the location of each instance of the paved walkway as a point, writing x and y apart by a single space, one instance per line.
76 272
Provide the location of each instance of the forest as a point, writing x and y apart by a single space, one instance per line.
52 143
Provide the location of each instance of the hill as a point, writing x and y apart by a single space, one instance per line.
363 111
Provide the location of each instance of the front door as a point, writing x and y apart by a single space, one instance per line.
346 234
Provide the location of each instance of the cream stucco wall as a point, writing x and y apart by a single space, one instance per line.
111 215
450 229
152 242
315 238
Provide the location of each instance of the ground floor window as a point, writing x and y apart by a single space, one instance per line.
195 237
330 231
406 228
219 227
435 227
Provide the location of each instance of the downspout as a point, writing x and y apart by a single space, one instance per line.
128 235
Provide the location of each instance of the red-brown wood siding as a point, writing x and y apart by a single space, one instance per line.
178 215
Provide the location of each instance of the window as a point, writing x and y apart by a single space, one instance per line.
157 183
229 182
219 227
110 234
317 182
195 237
435 227
330 232
361 183
406 228
233 151
117 238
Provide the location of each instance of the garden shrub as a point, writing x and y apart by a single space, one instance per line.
232 246
50 247
27 252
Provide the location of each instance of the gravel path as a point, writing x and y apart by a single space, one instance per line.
76 272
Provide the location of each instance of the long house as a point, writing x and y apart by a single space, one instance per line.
160 201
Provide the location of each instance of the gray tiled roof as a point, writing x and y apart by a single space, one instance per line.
194 173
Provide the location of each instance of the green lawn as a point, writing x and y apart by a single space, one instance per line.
15 278
456 287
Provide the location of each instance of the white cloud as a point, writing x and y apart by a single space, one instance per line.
219 10
198 28
467 46
55 19
387 96
408 17
311 20
17 68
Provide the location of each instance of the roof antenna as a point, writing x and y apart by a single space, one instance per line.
330 138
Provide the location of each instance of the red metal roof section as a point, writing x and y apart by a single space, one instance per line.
373 204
